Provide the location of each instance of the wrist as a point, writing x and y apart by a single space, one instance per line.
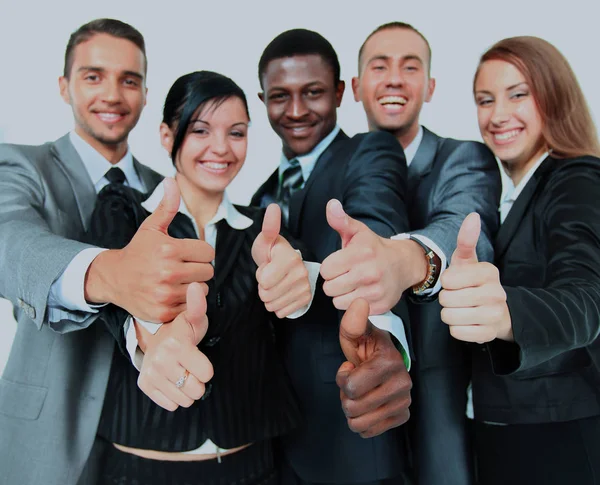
505 331
99 284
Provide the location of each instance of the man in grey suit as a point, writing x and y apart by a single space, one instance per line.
52 389
447 179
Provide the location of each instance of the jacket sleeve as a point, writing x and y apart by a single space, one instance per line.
564 313
31 254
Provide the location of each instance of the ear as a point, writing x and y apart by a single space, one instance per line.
261 96
145 97
166 137
63 86
339 92
430 89
355 88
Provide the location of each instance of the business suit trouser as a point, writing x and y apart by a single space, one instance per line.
546 453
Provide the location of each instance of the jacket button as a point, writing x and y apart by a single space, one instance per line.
211 342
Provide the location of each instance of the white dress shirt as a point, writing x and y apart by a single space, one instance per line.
66 299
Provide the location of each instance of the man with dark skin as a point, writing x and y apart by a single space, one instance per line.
301 90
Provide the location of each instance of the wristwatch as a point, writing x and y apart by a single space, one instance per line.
432 268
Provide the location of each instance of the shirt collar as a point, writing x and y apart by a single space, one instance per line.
309 160
411 150
226 210
96 165
510 192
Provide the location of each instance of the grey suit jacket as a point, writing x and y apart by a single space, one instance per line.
53 386
447 180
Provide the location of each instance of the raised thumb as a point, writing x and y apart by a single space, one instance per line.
341 222
354 327
466 242
161 218
195 313
261 249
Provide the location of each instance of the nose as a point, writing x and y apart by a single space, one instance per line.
219 144
297 108
112 91
501 113
395 77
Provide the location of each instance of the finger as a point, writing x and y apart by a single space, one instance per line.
341 222
342 375
195 314
354 327
361 422
263 244
469 276
159 398
296 292
193 388
396 389
466 242
169 390
390 422
295 281
280 267
480 316
473 333
487 294
341 262
161 218
194 251
197 364
297 304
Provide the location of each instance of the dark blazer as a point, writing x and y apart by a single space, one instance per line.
250 398
367 173
52 388
447 179
548 254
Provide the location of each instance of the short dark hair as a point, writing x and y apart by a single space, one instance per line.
113 27
395 25
192 92
299 42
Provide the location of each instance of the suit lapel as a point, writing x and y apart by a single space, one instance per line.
423 161
149 177
297 199
81 184
229 243
269 188
517 211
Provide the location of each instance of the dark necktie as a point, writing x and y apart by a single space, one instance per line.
291 181
115 176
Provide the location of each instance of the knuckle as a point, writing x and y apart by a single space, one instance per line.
167 250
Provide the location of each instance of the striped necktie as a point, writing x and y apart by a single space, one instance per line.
291 181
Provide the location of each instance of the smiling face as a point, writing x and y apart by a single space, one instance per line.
302 100
509 119
393 82
214 148
107 92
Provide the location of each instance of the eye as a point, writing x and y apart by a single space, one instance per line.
200 131
378 67
91 77
277 96
411 68
313 93
131 82
519 95
484 101
238 134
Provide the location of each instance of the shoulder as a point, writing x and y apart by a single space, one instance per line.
571 171
379 139
465 150
32 154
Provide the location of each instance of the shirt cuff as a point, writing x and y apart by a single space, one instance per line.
437 251
131 342
313 274
393 324
67 293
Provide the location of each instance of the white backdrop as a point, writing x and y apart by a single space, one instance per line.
229 37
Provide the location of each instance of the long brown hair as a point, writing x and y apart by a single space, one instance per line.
567 125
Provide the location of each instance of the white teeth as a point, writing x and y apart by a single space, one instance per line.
507 135
109 116
393 100
216 165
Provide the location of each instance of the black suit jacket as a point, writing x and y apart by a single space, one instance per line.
447 179
367 173
548 254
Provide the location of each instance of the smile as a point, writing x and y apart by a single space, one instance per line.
110 117
393 100
507 136
214 167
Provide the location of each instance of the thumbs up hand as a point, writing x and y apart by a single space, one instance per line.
283 282
367 266
374 383
473 300
149 277
172 354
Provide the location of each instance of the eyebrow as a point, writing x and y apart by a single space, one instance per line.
198 120
101 69
509 88
384 57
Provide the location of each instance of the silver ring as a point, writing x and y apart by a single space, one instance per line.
181 381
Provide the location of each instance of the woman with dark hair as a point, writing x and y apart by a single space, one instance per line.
534 316
191 429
